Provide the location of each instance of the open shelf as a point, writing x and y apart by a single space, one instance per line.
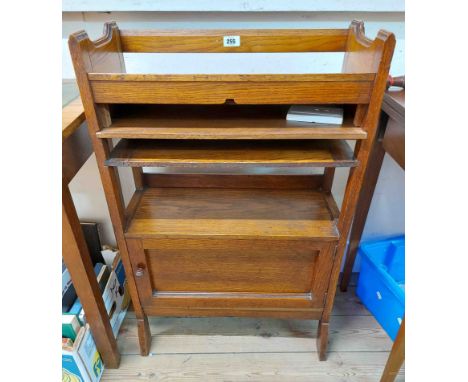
219 122
232 213
231 154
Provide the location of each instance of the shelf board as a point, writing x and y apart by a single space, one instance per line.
231 154
233 213
245 129
220 122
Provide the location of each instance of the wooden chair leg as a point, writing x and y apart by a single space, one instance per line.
396 357
144 335
78 261
322 340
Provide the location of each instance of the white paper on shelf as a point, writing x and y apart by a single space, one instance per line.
315 114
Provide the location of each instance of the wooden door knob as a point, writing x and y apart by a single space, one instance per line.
140 270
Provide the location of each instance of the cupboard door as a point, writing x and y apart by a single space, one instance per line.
225 273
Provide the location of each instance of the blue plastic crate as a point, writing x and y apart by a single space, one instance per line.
381 284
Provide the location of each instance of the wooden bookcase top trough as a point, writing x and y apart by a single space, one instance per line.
219 122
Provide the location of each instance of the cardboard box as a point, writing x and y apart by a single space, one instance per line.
81 362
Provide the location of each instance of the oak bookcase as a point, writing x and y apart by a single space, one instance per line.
208 237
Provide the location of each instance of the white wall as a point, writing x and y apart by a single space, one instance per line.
386 216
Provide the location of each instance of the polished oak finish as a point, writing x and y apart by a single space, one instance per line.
282 182
227 121
76 149
243 89
396 357
274 129
394 138
391 139
233 213
231 154
255 40
253 245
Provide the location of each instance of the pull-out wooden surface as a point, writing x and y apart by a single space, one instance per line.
232 213
231 154
222 129
219 122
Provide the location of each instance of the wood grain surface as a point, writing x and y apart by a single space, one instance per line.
219 122
280 91
223 266
204 41
232 213
221 129
231 154
72 117
282 182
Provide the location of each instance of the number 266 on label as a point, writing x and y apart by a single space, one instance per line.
231 40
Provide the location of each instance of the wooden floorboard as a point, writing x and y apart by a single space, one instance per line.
340 366
244 349
245 335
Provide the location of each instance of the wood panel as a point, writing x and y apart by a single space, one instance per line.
348 77
251 41
72 117
360 56
288 182
394 105
231 154
255 303
394 141
301 309
271 129
218 277
81 48
76 149
231 213
382 47
346 304
209 265
218 92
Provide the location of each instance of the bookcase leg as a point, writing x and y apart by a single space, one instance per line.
144 335
362 209
322 340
